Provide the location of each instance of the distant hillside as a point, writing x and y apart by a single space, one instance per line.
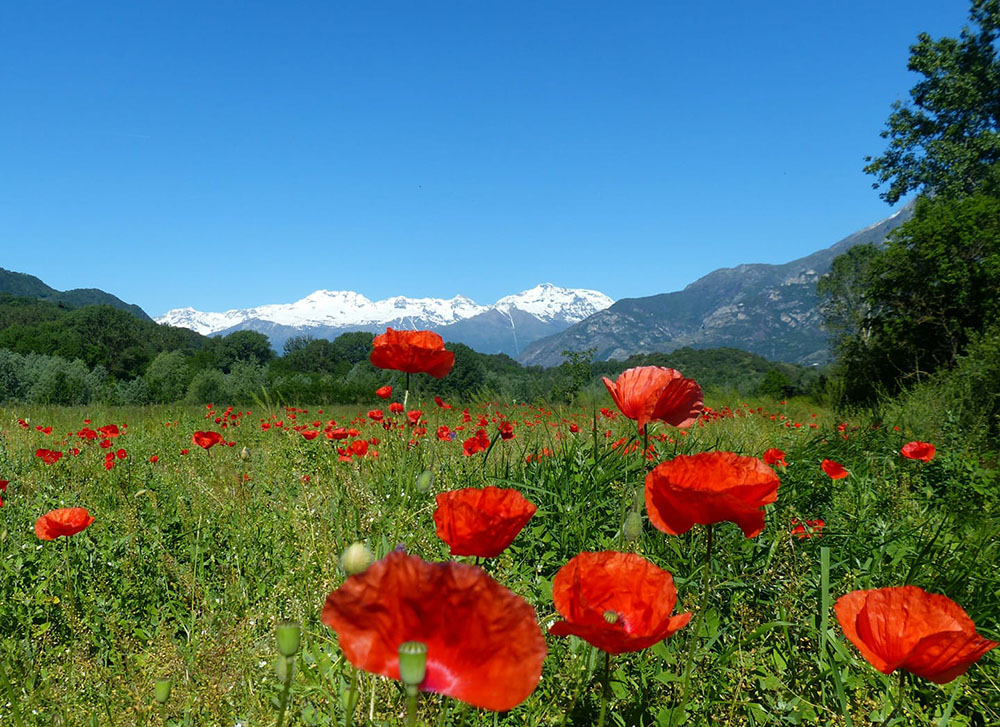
770 310
28 286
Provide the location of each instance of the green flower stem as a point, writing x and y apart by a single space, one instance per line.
411 705
352 698
693 641
899 697
285 692
606 688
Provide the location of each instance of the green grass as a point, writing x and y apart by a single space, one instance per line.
189 566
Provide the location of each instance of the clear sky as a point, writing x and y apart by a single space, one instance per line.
223 154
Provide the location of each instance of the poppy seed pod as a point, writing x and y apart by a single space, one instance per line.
244 454
289 637
412 662
161 690
356 559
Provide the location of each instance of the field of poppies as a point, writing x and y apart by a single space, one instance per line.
654 556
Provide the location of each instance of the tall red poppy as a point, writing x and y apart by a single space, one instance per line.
653 392
835 470
616 601
415 352
383 392
708 488
481 522
62 522
924 451
484 645
907 628
206 440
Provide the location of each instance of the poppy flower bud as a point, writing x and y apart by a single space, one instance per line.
425 480
632 529
161 689
289 636
412 662
356 559
244 454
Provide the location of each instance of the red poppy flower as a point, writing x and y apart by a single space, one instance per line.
481 522
775 456
415 352
440 402
310 434
376 415
414 416
907 628
155 458
63 522
708 488
206 440
48 456
484 645
924 451
616 601
506 430
653 392
396 408
835 470
807 528
359 447
383 392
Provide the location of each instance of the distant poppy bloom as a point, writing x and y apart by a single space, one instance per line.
835 470
907 628
616 601
481 522
807 528
708 488
63 522
376 415
155 458
506 430
48 456
653 392
414 416
396 408
310 434
440 402
775 456
484 645
383 392
414 352
359 447
444 433
206 440
924 451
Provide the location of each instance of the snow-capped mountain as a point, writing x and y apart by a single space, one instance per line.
506 326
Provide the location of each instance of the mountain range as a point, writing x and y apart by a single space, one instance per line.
770 310
503 327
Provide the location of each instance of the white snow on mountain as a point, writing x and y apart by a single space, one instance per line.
345 309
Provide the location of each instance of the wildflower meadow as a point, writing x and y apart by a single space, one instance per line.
659 555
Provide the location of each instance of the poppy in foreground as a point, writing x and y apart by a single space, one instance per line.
481 522
907 628
63 522
618 602
835 470
414 352
709 488
924 451
206 440
484 645
653 392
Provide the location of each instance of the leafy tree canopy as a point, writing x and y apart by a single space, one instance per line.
946 141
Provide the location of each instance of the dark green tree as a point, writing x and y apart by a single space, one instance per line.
946 141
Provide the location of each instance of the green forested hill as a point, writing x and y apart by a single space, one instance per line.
28 286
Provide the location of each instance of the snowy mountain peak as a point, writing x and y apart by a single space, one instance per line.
348 310
549 302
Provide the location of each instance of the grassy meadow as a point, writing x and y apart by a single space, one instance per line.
195 557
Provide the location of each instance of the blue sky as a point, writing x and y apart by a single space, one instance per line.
229 154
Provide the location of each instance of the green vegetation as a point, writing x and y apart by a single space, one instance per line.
194 559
